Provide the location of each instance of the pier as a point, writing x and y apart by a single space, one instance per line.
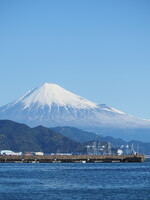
73 159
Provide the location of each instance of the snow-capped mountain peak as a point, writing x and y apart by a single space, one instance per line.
48 94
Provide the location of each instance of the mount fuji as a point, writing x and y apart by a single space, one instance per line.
50 105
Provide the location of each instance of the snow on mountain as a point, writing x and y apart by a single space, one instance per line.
50 105
49 94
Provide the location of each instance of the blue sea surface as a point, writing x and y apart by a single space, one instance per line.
56 181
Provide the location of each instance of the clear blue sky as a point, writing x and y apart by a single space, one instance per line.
99 49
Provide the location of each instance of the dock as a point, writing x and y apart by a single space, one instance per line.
73 159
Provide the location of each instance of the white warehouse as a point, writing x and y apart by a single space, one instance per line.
10 153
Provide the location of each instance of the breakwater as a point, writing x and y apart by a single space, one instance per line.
72 159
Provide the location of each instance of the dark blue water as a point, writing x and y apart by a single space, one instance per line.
121 181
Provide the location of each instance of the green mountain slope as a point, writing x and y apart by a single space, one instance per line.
19 137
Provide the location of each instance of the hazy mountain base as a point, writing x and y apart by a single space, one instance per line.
83 120
128 134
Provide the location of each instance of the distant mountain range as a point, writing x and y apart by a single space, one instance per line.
84 136
19 137
50 105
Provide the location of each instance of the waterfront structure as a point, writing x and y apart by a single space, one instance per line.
38 153
10 153
72 159
119 152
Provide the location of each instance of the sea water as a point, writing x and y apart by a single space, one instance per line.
81 181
